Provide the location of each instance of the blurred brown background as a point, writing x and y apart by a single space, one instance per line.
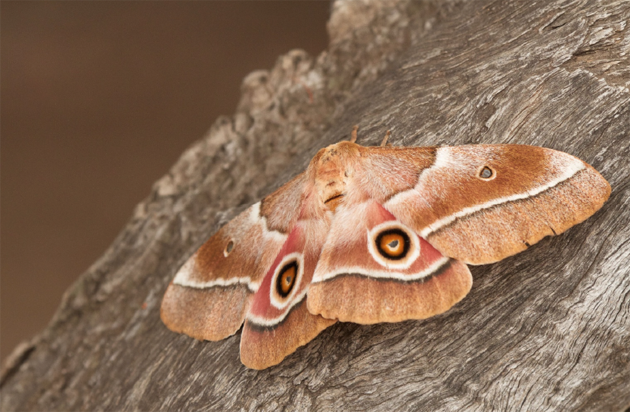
98 101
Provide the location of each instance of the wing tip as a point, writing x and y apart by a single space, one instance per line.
204 314
511 227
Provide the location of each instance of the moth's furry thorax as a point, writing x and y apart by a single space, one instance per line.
333 167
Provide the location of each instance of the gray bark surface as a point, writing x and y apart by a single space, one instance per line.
548 329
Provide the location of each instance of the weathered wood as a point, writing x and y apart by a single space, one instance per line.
548 329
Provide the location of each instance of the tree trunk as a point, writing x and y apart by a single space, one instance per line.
548 329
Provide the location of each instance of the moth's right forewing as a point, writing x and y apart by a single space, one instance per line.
211 293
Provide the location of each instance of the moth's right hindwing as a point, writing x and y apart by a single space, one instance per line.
278 321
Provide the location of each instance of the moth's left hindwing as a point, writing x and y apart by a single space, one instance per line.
211 293
375 269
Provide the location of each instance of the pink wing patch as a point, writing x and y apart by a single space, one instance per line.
278 322
375 269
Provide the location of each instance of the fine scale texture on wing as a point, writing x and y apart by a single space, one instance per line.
375 269
210 295
482 203
278 321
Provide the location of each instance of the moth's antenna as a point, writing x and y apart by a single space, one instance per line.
353 138
384 142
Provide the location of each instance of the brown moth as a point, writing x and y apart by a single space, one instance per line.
373 234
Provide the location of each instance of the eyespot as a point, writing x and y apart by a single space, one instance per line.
393 245
286 278
486 173
228 248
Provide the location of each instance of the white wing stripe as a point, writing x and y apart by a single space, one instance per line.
256 218
183 279
357 270
252 286
265 322
569 172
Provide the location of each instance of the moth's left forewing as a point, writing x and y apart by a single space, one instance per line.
482 203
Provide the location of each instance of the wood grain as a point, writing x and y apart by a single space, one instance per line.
548 329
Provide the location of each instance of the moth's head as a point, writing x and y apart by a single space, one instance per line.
333 166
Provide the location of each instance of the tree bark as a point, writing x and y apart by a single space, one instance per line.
548 329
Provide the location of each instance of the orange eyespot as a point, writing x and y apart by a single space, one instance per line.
393 244
286 279
228 248
486 173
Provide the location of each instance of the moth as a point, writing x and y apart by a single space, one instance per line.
373 234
